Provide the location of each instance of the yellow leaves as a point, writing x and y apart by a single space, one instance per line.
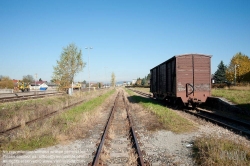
239 67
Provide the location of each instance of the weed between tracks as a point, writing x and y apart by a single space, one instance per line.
220 151
171 120
67 125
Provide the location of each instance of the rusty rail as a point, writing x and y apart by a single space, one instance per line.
218 122
98 153
40 118
19 97
131 123
99 150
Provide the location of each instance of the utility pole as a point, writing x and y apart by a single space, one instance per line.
235 66
88 64
35 82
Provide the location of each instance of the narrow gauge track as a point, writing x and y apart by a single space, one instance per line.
239 127
119 143
19 97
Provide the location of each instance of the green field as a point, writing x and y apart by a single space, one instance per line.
238 97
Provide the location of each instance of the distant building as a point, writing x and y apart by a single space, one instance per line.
133 81
41 85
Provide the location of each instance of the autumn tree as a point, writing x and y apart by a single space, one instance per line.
113 79
68 66
6 82
220 74
239 66
138 81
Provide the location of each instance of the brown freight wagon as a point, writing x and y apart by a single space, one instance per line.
186 77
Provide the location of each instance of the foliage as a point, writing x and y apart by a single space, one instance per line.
28 78
220 74
113 79
144 81
241 64
68 66
138 81
6 82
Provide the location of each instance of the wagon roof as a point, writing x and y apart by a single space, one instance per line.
192 54
176 56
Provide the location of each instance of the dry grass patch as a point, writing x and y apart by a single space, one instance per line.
216 151
62 127
145 90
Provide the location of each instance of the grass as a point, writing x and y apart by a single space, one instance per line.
216 151
72 116
31 143
11 114
169 118
239 97
67 125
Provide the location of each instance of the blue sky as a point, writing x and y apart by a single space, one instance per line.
129 37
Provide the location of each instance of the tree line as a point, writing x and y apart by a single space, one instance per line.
143 81
8 83
238 70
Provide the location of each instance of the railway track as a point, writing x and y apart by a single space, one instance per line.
119 144
39 118
20 96
233 124
238 126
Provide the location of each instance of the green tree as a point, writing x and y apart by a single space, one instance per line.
239 66
28 78
148 76
143 81
220 74
68 66
113 79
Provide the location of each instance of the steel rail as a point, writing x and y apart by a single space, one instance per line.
98 153
131 123
235 129
39 118
225 118
26 97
